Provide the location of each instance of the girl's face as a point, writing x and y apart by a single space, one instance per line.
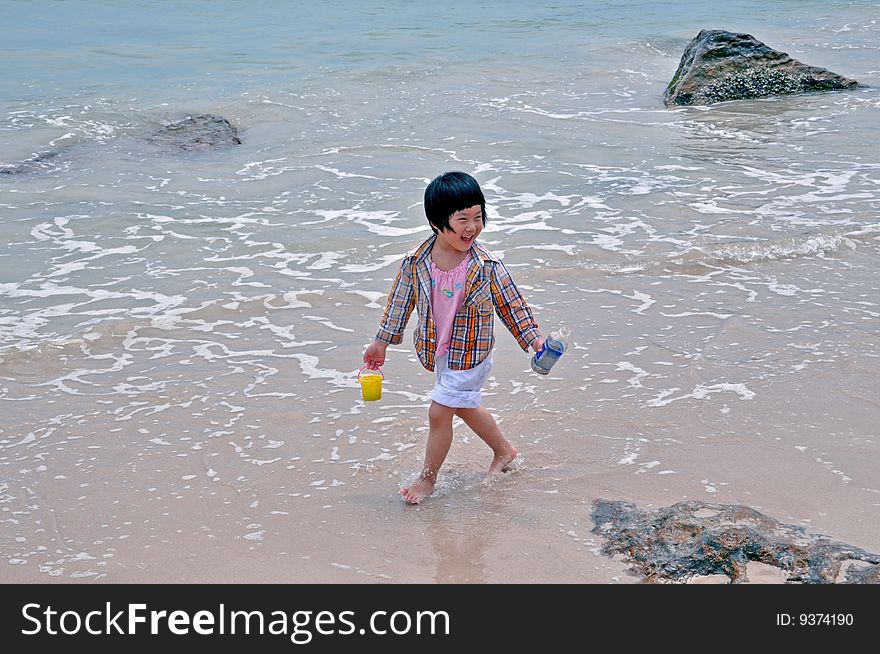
464 228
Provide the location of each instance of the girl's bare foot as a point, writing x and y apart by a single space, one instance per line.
502 459
419 489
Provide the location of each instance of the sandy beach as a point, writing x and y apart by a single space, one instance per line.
145 517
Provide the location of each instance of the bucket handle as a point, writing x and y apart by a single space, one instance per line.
364 366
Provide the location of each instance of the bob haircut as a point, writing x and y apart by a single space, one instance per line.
451 192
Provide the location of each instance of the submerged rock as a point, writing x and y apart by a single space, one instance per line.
39 161
691 539
191 134
200 132
718 65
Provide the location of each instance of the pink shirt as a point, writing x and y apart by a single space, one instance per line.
447 296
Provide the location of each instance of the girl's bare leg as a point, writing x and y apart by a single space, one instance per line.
483 425
439 441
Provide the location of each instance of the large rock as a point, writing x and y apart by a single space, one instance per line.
692 539
719 65
200 132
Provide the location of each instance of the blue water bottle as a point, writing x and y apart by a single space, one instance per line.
554 346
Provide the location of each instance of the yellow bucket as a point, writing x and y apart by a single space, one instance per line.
371 384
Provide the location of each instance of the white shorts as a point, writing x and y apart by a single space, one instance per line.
460 389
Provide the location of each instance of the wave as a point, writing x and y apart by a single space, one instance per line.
749 252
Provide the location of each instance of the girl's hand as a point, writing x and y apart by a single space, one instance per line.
375 354
538 344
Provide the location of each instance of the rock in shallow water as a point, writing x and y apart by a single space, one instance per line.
37 162
191 134
718 65
201 132
692 539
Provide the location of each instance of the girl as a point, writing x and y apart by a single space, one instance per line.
456 287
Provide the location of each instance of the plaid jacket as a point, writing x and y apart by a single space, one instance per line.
489 289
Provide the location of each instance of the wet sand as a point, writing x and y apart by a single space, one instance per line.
130 514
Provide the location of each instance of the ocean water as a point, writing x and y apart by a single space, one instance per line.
180 334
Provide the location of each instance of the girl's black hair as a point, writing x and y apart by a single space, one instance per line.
451 192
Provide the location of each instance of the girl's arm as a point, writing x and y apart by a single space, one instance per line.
513 310
401 301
